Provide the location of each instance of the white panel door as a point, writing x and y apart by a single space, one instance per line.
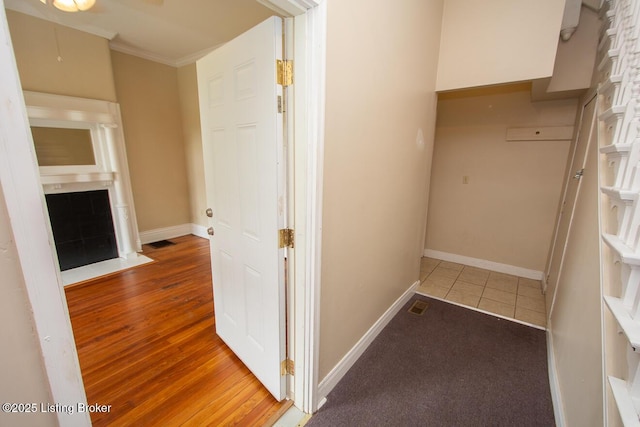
244 172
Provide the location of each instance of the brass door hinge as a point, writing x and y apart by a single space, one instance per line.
284 72
286 238
287 367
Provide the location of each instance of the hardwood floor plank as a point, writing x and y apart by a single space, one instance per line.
147 346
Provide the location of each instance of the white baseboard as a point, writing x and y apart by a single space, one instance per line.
199 230
556 397
488 265
336 374
165 233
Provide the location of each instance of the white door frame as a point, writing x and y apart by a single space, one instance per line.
20 181
306 148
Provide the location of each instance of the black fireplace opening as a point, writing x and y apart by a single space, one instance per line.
82 227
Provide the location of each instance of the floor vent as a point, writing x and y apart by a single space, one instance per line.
418 307
161 244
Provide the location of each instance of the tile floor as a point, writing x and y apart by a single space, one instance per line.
503 294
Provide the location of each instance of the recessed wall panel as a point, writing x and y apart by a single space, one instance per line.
254 286
229 295
224 175
216 91
245 81
249 184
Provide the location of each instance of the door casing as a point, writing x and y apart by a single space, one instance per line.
21 187
566 210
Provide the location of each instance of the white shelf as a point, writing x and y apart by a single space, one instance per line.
622 195
615 149
629 326
623 402
627 255
616 110
540 133
611 81
608 36
609 55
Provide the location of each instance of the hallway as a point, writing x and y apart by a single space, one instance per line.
448 366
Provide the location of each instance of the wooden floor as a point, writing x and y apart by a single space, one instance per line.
147 346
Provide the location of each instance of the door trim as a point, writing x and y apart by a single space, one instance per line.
20 180
585 100
308 98
555 245
313 91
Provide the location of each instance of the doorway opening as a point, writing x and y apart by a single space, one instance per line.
22 191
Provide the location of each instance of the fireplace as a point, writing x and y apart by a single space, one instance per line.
79 146
82 227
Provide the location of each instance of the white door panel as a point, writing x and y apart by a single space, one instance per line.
244 165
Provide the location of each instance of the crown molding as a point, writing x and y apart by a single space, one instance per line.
140 53
190 59
176 63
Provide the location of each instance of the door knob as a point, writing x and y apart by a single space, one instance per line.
210 231
209 212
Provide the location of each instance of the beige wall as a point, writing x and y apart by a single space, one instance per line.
22 376
381 68
188 87
506 212
497 41
85 69
150 104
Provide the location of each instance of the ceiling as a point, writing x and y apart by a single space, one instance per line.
173 32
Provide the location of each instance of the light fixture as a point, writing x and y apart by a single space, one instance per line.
72 5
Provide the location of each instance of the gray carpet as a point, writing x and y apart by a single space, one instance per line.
448 367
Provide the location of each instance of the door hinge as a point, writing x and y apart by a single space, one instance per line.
286 238
579 174
284 72
287 367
